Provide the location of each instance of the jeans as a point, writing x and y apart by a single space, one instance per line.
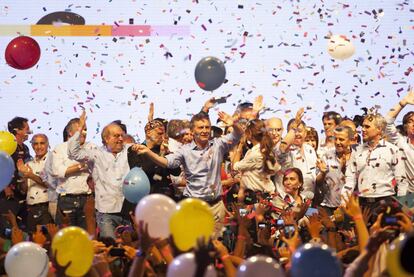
72 206
108 222
38 214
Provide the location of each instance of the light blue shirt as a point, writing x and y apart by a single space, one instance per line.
202 167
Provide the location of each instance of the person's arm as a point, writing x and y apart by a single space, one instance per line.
229 268
249 163
360 265
287 141
137 268
208 105
353 209
144 150
323 170
27 173
408 99
151 112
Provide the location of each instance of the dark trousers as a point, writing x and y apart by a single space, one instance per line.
72 206
38 214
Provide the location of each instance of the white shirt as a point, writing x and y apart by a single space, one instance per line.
306 163
108 173
372 171
36 193
252 175
173 145
59 163
334 180
406 148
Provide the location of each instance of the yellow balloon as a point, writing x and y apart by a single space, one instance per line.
73 245
192 220
8 142
394 266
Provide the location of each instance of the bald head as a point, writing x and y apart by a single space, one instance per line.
274 126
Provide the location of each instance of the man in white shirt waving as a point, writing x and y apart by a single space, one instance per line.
109 170
71 179
404 142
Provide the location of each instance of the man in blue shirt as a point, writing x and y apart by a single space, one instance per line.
202 161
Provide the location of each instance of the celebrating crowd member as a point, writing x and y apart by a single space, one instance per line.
333 179
374 165
110 166
201 160
404 142
258 165
159 177
13 197
71 178
357 215
37 190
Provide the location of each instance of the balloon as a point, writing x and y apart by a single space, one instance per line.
315 260
22 52
340 47
184 265
6 170
73 244
192 219
26 259
156 210
210 73
136 185
400 256
260 266
8 142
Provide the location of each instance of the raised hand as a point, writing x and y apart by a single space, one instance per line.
209 104
258 105
314 226
140 148
409 98
38 236
226 118
82 122
351 206
151 112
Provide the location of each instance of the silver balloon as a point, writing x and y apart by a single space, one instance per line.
210 73
260 266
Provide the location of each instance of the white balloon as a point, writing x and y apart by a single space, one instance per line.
340 47
156 210
26 259
260 266
184 265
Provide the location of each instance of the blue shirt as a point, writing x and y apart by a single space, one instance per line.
202 167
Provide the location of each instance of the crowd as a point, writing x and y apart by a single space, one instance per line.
273 194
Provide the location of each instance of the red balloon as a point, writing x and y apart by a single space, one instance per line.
22 53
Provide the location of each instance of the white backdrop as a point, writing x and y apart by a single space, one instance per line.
274 48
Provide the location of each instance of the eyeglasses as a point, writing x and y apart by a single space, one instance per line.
273 130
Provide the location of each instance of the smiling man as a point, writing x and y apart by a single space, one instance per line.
110 166
375 165
201 160
37 190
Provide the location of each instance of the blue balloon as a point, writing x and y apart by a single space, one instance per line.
315 260
136 185
6 169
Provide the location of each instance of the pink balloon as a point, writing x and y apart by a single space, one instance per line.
22 53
